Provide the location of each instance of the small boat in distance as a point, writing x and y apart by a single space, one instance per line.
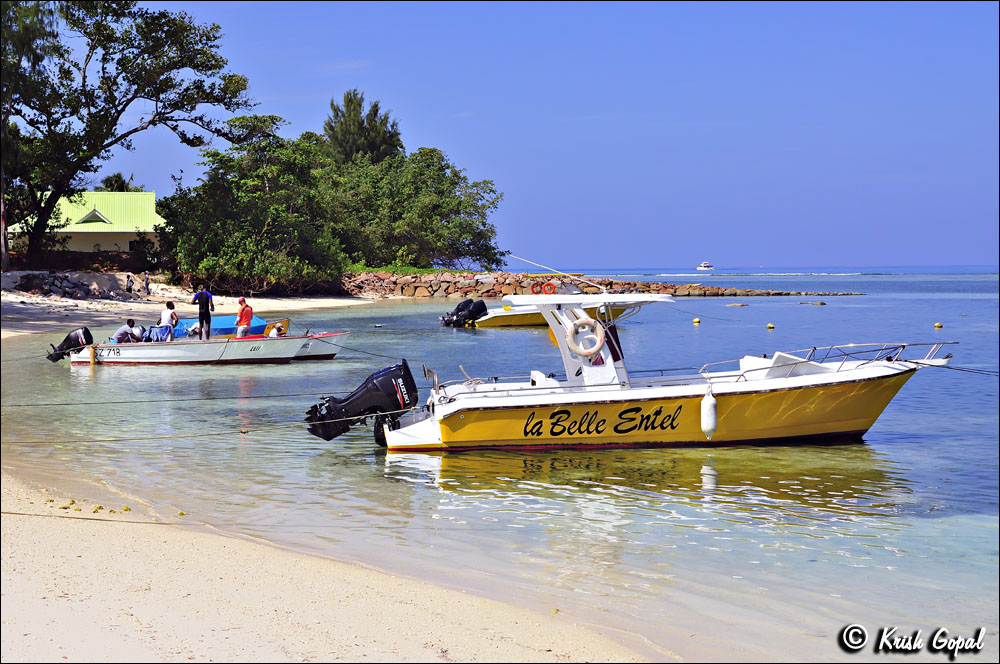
705 265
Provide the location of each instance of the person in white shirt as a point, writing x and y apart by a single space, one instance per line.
127 333
169 317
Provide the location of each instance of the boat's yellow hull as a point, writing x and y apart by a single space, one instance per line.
830 412
531 319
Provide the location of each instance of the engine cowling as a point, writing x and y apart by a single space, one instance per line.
384 394
466 313
75 340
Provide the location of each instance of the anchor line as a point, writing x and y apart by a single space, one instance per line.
603 289
981 372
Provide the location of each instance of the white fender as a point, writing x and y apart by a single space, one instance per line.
709 419
591 330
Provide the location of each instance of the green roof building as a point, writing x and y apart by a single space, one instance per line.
107 220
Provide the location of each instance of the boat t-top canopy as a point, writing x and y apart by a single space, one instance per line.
590 350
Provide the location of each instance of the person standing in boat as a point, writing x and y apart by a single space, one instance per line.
205 308
243 318
169 317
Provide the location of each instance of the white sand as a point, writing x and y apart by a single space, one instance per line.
86 587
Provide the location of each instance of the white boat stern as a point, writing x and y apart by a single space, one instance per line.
417 431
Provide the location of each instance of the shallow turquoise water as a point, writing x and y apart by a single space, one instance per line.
790 544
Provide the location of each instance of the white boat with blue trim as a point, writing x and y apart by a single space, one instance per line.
79 346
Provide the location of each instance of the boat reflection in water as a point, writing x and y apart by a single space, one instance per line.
791 481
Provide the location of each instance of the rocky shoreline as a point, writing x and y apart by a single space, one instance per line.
380 285
456 286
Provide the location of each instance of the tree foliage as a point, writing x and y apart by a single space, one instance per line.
114 70
274 214
417 210
27 37
117 182
257 221
350 130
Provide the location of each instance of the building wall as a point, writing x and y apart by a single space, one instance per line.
103 241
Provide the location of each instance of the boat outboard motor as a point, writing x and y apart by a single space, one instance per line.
388 390
466 313
448 320
75 340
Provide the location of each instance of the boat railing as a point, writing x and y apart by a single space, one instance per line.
828 355
715 371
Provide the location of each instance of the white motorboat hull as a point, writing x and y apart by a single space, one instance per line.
261 350
324 346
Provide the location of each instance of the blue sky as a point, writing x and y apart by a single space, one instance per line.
647 134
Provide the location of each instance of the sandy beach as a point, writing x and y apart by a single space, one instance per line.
117 584
86 586
24 313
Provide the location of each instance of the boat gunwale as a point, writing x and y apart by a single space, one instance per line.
628 396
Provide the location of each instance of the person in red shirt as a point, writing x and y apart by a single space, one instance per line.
243 318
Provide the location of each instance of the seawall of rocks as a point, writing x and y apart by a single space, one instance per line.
79 285
449 285
458 286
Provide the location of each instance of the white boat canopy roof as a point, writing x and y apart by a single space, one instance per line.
587 299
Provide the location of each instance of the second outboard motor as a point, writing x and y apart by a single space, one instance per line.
448 320
75 340
466 313
387 390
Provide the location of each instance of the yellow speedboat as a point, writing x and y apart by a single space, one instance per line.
814 395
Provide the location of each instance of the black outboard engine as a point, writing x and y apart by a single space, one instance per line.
74 340
465 314
387 390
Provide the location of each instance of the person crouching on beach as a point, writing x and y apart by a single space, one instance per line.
205 308
244 318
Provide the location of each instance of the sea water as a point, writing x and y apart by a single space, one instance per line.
746 552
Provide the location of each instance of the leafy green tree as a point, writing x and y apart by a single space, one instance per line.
27 39
116 70
117 182
418 210
351 130
256 223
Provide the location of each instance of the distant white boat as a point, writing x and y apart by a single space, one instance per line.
705 265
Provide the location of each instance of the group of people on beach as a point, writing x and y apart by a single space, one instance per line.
202 329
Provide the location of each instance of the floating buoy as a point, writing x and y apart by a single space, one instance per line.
697 321
938 326
770 326
708 413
